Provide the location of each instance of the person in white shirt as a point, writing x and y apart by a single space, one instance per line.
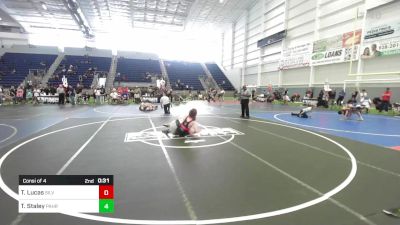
114 95
366 103
97 93
36 94
303 112
162 84
349 109
61 95
221 95
165 103
363 95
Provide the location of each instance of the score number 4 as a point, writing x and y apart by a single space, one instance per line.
106 196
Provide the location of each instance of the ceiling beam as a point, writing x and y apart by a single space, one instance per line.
79 17
157 12
10 13
158 22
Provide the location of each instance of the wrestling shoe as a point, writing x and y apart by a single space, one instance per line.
392 212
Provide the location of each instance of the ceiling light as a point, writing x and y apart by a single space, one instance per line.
221 1
44 6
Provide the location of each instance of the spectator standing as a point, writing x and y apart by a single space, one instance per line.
97 93
29 95
332 96
85 97
136 95
67 92
1 95
78 91
366 103
309 93
354 97
36 94
169 94
340 99
386 100
221 95
321 99
20 94
13 94
72 94
363 94
102 94
286 98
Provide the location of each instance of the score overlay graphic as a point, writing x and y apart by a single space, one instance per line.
66 193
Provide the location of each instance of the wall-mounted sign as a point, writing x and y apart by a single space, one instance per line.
336 49
271 39
295 57
382 31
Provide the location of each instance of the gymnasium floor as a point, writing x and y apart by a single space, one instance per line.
276 169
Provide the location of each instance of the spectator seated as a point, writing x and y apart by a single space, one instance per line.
123 93
14 67
137 70
115 97
396 107
184 75
80 69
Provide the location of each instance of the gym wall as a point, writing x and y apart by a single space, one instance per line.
305 21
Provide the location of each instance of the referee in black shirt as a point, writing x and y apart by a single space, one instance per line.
244 101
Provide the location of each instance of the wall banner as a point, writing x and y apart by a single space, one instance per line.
336 49
382 31
295 57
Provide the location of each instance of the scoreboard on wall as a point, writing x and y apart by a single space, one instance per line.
66 193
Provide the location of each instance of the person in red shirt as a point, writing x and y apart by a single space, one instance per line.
386 100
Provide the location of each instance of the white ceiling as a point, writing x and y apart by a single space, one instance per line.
216 13
102 14
106 15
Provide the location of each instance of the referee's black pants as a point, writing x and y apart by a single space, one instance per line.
245 107
61 99
166 108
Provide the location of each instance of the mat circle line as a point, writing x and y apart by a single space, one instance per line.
290 209
110 113
276 116
189 146
15 130
136 114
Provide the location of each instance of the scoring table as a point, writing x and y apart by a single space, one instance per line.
66 193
